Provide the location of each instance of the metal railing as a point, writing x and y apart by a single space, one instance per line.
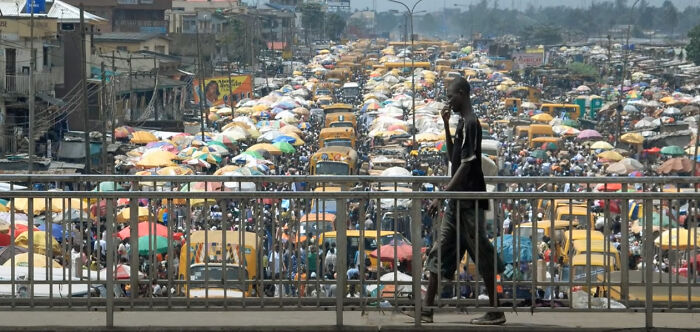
20 83
242 243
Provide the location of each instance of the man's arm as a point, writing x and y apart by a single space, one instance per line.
459 177
448 135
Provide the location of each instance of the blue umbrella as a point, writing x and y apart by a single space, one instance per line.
204 138
283 138
56 231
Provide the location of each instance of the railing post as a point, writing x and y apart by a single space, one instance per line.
134 244
648 264
341 259
111 250
416 261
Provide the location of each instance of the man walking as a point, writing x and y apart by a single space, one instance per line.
467 216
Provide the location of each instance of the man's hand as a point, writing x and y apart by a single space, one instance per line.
445 114
434 207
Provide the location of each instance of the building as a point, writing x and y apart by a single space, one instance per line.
131 42
129 15
189 16
338 6
57 70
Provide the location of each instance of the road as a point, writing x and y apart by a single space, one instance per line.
325 321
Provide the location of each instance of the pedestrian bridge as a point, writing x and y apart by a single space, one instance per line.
190 244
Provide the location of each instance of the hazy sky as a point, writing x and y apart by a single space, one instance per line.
433 5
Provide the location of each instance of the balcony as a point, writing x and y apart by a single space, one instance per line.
19 84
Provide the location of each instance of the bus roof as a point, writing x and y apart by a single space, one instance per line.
578 234
596 260
321 217
337 130
216 237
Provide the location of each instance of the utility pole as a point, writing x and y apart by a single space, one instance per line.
83 86
32 63
113 96
155 89
230 88
201 85
103 118
131 91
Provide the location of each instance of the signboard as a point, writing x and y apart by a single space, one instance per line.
39 6
506 65
216 89
524 60
19 27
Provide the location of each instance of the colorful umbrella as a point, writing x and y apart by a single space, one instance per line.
156 158
144 229
285 147
601 145
175 170
273 150
673 150
588 134
675 165
632 138
227 139
538 154
285 139
149 244
542 117
123 132
143 137
610 156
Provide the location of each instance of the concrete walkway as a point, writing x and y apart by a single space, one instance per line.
325 321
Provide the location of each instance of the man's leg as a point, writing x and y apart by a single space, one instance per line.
444 249
485 260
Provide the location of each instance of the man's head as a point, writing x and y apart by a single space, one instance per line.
458 94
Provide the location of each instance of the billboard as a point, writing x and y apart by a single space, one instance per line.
216 89
524 60
38 6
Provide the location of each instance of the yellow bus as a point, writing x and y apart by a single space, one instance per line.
538 130
407 64
337 107
570 111
203 260
333 160
337 136
341 120
530 94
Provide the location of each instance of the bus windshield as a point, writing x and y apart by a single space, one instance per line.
341 125
215 273
338 142
332 168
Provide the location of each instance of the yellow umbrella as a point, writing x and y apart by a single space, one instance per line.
632 138
273 150
22 204
175 170
260 108
427 137
667 99
601 145
542 117
143 137
691 150
679 239
291 130
610 155
124 215
41 243
39 261
156 158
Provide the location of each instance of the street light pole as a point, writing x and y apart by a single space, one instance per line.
413 76
624 75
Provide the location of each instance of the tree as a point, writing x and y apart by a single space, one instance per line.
693 47
670 15
312 19
335 25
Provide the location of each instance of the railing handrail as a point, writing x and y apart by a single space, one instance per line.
341 179
351 195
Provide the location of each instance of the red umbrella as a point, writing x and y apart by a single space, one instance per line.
612 187
5 240
20 228
404 252
614 205
145 228
653 150
102 207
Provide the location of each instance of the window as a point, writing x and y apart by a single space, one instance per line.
145 48
160 49
45 57
121 48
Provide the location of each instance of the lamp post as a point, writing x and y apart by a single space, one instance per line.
410 10
624 75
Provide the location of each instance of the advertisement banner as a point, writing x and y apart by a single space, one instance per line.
216 89
38 6
524 60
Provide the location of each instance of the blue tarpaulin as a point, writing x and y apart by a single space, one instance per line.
505 246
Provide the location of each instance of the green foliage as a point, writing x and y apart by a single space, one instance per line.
312 19
693 48
542 35
584 70
335 25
